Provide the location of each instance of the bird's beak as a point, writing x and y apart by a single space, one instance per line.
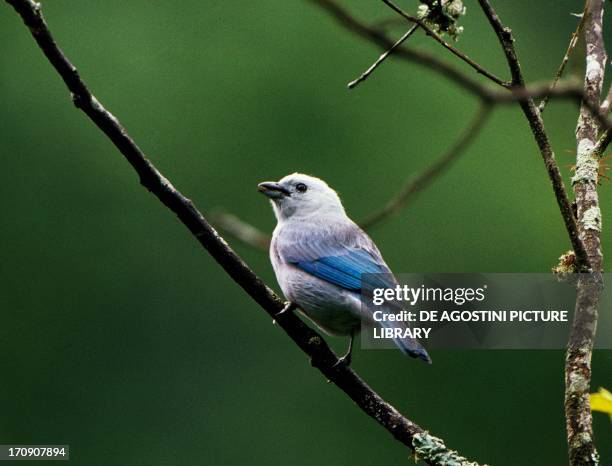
273 190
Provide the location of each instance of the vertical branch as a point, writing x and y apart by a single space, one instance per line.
587 130
578 415
570 48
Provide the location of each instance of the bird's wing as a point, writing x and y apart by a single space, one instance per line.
340 255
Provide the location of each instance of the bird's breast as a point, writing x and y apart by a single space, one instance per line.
332 308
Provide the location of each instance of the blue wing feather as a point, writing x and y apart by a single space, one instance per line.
347 270
341 253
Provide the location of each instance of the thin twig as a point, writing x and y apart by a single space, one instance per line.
438 38
322 357
234 226
570 48
605 105
506 40
578 417
603 143
433 172
345 19
382 58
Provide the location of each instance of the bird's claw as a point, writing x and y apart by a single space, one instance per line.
288 308
344 360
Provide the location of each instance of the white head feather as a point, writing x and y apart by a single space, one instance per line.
299 196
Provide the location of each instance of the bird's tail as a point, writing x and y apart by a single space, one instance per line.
408 346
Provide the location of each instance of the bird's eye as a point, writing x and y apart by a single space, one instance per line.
301 188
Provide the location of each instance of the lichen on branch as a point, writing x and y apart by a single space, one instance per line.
442 16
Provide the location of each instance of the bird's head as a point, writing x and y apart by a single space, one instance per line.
300 196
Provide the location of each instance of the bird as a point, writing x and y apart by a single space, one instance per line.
319 256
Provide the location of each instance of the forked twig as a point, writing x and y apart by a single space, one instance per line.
382 58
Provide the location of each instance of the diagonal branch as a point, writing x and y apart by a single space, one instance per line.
415 185
506 40
366 74
430 449
570 48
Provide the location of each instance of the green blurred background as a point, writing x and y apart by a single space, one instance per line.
121 337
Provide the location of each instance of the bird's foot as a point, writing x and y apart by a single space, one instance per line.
289 306
344 360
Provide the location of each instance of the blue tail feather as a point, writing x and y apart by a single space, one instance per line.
409 346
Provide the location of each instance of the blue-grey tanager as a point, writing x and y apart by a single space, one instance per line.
319 256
